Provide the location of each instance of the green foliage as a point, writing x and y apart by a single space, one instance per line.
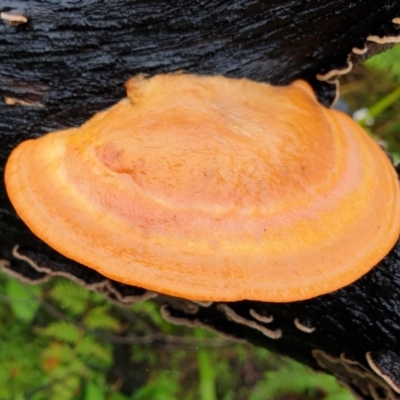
52 355
94 352
62 331
70 296
386 62
372 91
161 387
150 312
93 392
99 318
19 360
65 350
207 387
24 300
296 378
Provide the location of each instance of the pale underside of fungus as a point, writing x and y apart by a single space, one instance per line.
212 189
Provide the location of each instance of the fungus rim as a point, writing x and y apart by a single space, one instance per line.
13 19
387 378
165 311
302 327
261 318
234 316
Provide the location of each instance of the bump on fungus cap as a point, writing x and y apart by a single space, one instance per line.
210 188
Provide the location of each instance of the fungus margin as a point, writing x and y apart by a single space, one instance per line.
344 357
5 266
127 299
336 72
202 303
302 327
380 370
355 375
166 309
13 19
358 51
12 101
104 285
19 256
384 39
261 318
231 314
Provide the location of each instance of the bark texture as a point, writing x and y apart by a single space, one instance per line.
70 59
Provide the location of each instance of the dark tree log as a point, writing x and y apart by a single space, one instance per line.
61 61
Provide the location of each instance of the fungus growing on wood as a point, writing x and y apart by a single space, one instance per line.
212 189
358 51
13 19
234 316
261 318
386 364
31 269
179 317
362 382
303 326
335 72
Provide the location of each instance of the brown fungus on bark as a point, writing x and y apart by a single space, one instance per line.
359 51
359 379
386 39
13 19
45 268
127 295
24 273
386 364
234 316
178 317
12 101
334 73
265 319
303 326
203 303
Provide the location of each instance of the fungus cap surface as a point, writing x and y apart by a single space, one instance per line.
211 188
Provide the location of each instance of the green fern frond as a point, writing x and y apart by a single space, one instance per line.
99 318
72 297
61 392
296 378
79 368
150 310
63 331
92 351
57 354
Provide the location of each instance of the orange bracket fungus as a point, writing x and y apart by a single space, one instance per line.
212 189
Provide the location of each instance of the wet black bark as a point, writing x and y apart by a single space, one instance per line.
71 58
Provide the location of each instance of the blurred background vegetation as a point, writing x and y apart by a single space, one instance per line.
59 341
371 94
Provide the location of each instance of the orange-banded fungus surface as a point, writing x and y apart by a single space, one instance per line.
210 188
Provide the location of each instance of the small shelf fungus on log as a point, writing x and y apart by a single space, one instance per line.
212 189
